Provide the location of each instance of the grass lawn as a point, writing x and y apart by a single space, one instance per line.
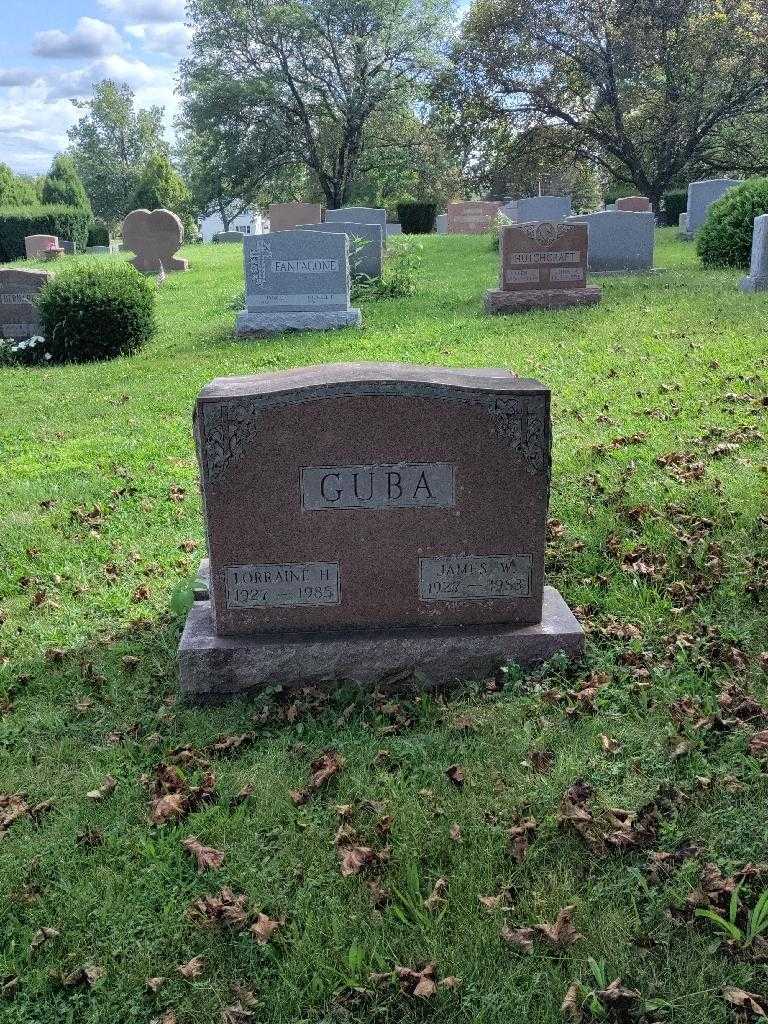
659 539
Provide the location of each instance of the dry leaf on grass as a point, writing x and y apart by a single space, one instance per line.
562 932
42 935
225 910
155 984
421 983
519 837
456 775
107 786
87 975
571 1004
264 928
750 1002
206 856
436 898
192 968
455 832
522 938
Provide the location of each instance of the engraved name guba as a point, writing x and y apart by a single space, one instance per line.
403 485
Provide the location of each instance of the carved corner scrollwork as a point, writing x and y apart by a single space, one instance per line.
524 423
228 429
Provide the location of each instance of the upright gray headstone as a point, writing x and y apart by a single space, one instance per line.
701 195
19 318
358 215
441 223
68 247
510 211
366 244
393 229
682 225
296 280
618 240
222 237
549 208
758 265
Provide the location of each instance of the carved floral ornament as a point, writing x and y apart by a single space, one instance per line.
230 427
546 232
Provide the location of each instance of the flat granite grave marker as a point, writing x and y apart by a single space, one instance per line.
619 240
284 216
19 318
366 244
543 266
701 195
223 237
370 521
757 281
154 238
296 280
471 218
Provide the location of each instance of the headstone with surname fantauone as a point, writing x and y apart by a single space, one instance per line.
296 280
19 318
368 520
543 266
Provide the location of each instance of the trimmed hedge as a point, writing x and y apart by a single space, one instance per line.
672 205
68 222
417 218
96 312
98 233
725 238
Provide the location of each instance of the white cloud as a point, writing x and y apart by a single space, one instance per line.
17 76
90 38
137 74
33 127
170 40
141 11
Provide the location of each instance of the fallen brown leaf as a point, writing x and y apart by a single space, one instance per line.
436 898
155 984
743 1000
206 856
192 968
571 1004
562 932
264 928
520 937
227 909
456 775
107 786
421 983
42 935
87 975
519 837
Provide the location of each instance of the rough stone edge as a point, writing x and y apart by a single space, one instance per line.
213 668
498 301
249 323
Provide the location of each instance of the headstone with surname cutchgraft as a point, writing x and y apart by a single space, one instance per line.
285 216
372 521
543 266
366 244
19 318
296 280
757 281
619 240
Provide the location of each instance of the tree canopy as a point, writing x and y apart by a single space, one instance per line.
62 185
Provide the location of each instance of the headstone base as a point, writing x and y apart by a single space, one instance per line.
273 322
754 284
497 301
215 667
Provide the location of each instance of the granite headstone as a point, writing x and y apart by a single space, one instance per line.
285 216
369 522
222 237
471 218
618 240
366 244
701 195
757 281
18 313
633 204
296 280
543 266
154 238
36 245
549 208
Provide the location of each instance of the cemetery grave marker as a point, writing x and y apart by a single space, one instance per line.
549 208
366 258
633 204
367 520
296 280
701 195
285 216
757 281
19 318
36 245
471 218
543 266
619 241
228 236
154 238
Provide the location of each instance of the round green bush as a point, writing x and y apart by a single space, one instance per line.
672 205
96 312
417 218
725 239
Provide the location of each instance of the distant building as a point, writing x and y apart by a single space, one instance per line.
250 222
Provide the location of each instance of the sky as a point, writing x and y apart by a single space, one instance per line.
52 51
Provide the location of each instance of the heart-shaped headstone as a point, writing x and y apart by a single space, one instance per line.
154 238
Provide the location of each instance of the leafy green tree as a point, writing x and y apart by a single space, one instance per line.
303 79
161 188
63 186
644 87
110 145
16 190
